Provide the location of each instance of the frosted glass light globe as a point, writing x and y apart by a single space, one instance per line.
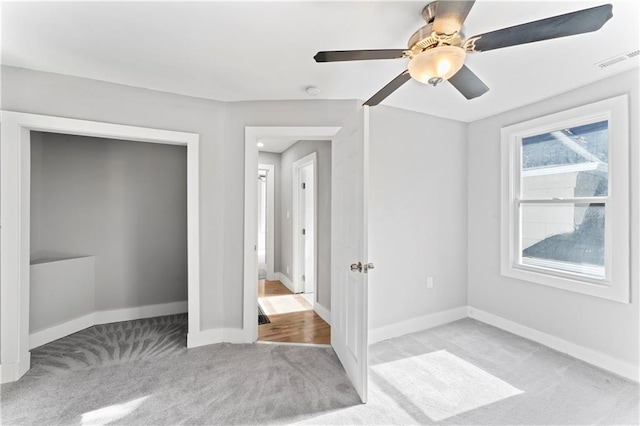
440 62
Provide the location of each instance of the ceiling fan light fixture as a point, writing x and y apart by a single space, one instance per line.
440 62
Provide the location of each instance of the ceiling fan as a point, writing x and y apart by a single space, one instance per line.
437 50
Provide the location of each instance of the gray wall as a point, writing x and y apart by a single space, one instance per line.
417 215
274 159
123 202
605 326
221 127
297 151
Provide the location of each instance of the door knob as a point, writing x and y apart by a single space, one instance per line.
368 266
356 267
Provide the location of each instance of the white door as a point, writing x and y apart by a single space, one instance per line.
309 226
349 307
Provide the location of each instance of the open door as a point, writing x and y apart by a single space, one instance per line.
349 263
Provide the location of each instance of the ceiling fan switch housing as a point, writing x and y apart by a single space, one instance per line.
429 12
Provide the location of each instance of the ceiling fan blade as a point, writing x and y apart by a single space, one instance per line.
582 21
468 83
358 55
389 88
450 16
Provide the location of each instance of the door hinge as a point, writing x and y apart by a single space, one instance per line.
304 231
304 185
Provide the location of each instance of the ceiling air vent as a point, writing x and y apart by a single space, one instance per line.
617 59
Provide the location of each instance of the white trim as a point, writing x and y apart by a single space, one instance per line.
307 160
250 279
216 335
567 168
599 359
286 281
148 311
58 331
12 372
306 345
15 178
616 284
416 324
322 312
271 221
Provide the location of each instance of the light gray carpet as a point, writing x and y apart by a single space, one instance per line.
461 373
114 343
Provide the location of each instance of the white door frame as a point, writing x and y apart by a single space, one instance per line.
296 272
251 136
271 228
15 177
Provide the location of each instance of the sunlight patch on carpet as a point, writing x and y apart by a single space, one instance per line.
442 385
112 413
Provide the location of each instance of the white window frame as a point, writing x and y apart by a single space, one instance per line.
616 283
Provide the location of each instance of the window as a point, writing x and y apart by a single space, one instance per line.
565 200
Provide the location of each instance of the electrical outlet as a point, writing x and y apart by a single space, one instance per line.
429 282
287 270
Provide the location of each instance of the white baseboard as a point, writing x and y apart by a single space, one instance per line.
56 332
304 345
202 338
12 371
322 312
286 281
416 324
148 311
273 276
599 359
216 335
50 334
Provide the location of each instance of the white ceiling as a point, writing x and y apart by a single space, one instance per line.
232 51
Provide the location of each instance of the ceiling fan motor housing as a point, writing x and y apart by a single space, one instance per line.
425 38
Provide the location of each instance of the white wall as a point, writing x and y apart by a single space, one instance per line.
124 203
608 327
323 237
274 159
417 215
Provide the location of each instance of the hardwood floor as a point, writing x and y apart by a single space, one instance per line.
293 319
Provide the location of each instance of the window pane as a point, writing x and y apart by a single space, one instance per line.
566 163
565 237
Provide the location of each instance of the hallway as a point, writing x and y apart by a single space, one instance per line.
293 319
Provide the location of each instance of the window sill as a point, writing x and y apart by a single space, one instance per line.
587 286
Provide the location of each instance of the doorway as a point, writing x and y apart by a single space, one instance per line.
15 250
304 193
266 221
348 213
282 281
287 299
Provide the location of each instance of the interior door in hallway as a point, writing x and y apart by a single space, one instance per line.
349 263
